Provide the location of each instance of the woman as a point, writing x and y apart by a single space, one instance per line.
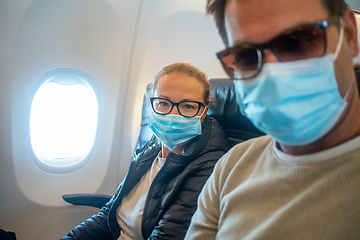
159 195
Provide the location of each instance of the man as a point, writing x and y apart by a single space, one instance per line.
291 62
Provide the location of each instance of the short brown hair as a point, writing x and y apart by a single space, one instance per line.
188 70
217 9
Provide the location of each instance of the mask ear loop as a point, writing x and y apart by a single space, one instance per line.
348 91
203 111
338 47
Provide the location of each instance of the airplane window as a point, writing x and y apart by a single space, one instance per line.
63 121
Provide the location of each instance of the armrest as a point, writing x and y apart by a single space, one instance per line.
91 200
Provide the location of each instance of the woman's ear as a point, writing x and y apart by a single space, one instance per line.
350 31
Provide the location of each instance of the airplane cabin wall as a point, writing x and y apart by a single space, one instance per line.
121 45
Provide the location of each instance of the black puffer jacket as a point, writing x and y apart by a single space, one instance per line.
172 197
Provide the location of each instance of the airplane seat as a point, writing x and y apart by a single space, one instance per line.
7 235
224 109
145 131
357 74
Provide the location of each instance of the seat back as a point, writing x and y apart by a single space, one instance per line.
226 111
145 131
357 74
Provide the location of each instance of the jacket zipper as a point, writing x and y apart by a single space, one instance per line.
147 196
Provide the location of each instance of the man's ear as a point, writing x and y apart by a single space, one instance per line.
350 31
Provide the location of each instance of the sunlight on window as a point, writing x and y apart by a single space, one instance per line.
63 121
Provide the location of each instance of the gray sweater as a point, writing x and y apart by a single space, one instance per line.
257 192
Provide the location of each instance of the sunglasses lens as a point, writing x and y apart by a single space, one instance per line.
242 62
301 43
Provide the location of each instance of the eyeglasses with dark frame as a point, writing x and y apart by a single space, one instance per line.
164 106
245 61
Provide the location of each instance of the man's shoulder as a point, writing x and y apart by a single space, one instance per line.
254 144
250 150
241 160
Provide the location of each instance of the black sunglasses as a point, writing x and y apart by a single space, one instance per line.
307 41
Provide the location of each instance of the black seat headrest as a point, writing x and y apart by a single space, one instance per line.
226 111
357 74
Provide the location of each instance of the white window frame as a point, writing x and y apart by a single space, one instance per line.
74 164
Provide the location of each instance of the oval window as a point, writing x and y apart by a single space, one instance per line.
63 120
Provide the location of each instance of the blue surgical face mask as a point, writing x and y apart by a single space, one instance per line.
295 102
174 130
